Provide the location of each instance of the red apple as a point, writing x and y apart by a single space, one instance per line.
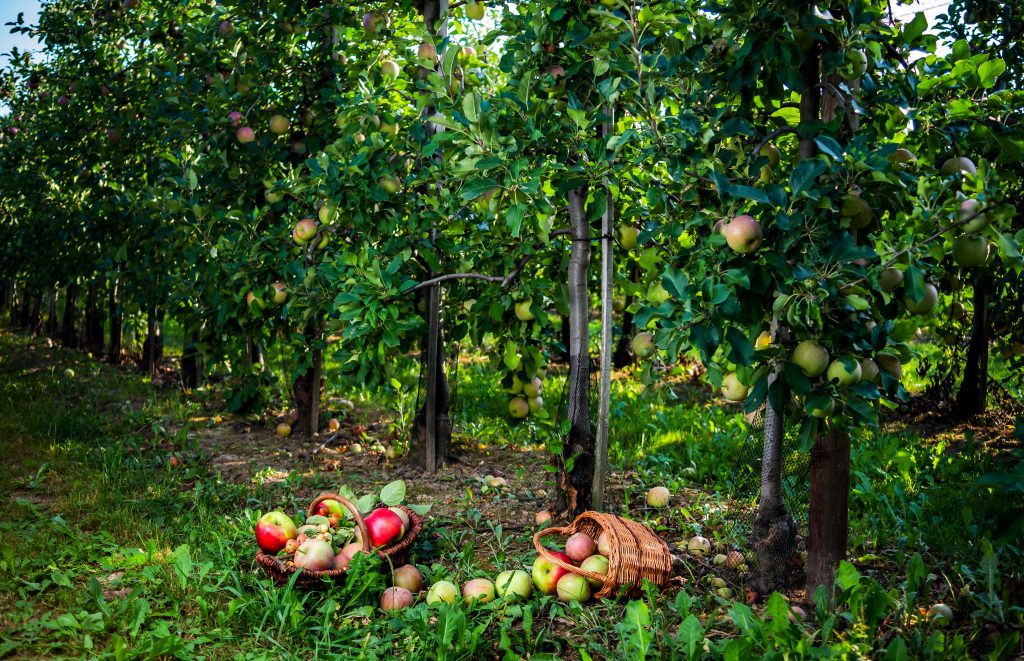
342 560
235 117
604 545
304 230
273 531
245 134
546 574
384 527
395 599
225 27
580 546
479 589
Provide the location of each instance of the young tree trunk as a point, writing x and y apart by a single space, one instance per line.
24 305
973 393
93 321
153 345
254 353
36 315
191 361
830 500
116 317
306 391
5 292
623 350
52 320
69 330
607 330
774 530
432 426
577 460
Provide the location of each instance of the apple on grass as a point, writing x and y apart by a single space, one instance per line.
284 430
658 497
513 584
699 545
408 577
395 599
273 530
542 518
480 590
546 574
573 587
445 591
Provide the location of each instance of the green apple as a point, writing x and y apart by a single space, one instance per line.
280 293
573 587
927 303
523 312
475 10
533 388
445 591
772 153
970 250
513 584
658 497
890 279
810 357
390 184
642 344
627 236
390 69
869 370
958 165
743 234
841 372
518 407
733 389
279 124
825 411
969 209
598 564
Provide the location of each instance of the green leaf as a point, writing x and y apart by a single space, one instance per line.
749 193
829 146
989 71
475 188
366 503
691 634
393 493
469 107
915 28
803 176
847 577
913 279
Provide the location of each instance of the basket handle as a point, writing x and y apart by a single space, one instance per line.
364 535
561 563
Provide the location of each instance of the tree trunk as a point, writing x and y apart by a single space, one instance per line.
93 321
52 319
623 350
191 361
306 389
24 305
431 436
830 495
4 297
153 345
35 321
607 331
577 460
69 330
774 530
116 316
973 393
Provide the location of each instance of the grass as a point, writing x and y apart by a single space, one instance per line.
107 551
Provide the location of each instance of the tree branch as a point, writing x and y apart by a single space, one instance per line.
457 276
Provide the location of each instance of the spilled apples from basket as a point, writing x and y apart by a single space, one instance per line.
581 550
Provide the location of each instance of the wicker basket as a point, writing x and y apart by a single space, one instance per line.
636 553
396 554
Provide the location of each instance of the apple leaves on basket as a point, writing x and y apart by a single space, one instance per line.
393 494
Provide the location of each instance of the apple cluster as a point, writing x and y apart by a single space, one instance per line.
527 397
322 542
581 550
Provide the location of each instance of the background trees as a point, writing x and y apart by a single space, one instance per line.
789 205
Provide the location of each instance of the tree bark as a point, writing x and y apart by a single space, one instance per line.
973 394
191 361
153 345
36 315
306 390
577 459
830 496
116 316
24 305
52 319
774 530
69 330
5 292
432 426
93 321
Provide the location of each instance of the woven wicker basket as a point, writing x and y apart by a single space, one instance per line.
636 553
396 554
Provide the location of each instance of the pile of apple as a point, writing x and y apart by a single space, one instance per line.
581 550
322 543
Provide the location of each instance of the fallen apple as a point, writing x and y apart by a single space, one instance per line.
408 577
395 599
383 526
658 496
546 574
940 615
480 590
445 591
284 430
542 518
604 544
513 584
573 587
698 545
